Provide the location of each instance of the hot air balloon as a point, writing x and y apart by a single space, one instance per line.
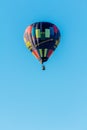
42 38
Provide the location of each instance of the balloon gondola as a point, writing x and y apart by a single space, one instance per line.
43 67
42 38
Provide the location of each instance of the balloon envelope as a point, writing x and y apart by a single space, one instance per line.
42 38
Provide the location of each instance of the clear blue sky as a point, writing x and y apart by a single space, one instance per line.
55 99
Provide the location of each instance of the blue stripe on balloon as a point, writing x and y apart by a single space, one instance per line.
51 31
33 31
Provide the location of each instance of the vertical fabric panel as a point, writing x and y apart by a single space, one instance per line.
29 29
57 42
38 35
47 33
25 40
33 31
49 53
41 54
55 29
45 52
42 35
28 44
51 31
26 36
35 53
33 39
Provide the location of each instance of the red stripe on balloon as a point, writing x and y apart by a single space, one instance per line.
29 29
49 53
55 29
35 52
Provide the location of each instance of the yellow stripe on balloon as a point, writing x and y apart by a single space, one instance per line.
28 44
40 50
57 42
25 40
45 52
38 35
